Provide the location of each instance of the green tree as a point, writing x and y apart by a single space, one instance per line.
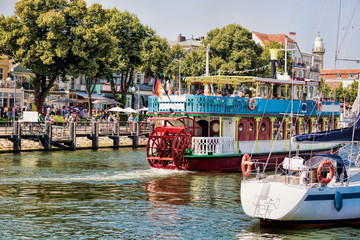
55 38
265 59
232 49
194 62
155 55
176 56
324 89
131 34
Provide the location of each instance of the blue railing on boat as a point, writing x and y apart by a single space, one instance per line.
197 104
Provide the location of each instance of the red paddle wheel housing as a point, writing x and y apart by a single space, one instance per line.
166 146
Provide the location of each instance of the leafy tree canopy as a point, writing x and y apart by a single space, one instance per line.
56 38
232 49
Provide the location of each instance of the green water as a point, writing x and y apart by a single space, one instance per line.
113 194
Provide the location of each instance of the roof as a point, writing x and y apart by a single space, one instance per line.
339 71
280 38
85 95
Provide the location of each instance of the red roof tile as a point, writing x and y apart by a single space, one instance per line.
280 38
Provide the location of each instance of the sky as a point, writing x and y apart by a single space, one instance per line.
308 18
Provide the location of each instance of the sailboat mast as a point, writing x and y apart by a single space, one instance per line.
337 36
285 73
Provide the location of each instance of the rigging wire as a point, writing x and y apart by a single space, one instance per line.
348 26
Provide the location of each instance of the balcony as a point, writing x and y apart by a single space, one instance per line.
300 65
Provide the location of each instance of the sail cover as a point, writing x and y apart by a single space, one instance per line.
348 134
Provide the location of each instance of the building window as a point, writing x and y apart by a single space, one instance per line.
350 75
2 74
338 75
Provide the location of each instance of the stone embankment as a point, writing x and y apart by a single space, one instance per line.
81 143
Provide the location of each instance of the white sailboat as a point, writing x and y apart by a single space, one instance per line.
317 189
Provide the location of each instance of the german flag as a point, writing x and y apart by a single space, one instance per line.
157 88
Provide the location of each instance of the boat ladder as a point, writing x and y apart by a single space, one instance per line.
264 206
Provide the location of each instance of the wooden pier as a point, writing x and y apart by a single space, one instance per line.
64 135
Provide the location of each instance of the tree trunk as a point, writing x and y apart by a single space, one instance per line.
42 89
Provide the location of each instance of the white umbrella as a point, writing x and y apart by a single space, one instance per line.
143 109
129 110
107 101
116 109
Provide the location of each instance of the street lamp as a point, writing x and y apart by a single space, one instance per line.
10 79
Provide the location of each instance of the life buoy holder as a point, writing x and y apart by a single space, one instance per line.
326 164
319 105
246 165
252 104
340 125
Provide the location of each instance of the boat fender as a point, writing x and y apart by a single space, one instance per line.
252 104
319 105
326 164
246 165
338 201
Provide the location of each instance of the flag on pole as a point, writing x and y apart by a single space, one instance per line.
158 87
292 33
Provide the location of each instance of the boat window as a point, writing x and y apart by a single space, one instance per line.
263 127
241 127
263 91
251 127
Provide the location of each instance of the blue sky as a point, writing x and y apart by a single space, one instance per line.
196 17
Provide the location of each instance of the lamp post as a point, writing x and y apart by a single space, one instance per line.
10 79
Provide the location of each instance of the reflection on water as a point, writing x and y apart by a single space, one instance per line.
112 194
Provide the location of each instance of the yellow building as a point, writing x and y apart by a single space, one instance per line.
9 85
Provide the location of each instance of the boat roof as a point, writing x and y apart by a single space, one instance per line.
238 80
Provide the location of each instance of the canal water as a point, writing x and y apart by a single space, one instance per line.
113 194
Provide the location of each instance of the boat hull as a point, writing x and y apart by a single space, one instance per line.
232 163
293 204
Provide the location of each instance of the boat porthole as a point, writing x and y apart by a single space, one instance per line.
251 126
215 127
241 127
263 127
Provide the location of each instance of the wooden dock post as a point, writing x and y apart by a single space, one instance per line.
135 136
95 135
46 140
16 137
115 137
72 131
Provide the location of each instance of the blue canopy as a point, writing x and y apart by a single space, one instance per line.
348 134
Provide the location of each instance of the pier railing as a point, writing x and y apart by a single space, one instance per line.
64 134
213 145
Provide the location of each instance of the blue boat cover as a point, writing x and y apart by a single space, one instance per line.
348 134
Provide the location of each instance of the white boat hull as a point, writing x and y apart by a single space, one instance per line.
293 202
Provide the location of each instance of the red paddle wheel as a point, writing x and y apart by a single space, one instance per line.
166 146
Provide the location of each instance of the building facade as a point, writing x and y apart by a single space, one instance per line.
306 65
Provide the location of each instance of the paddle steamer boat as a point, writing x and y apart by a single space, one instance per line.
212 133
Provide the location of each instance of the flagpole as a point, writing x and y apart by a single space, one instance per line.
285 54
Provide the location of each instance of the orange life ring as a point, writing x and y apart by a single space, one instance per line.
252 104
325 164
246 165
319 105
